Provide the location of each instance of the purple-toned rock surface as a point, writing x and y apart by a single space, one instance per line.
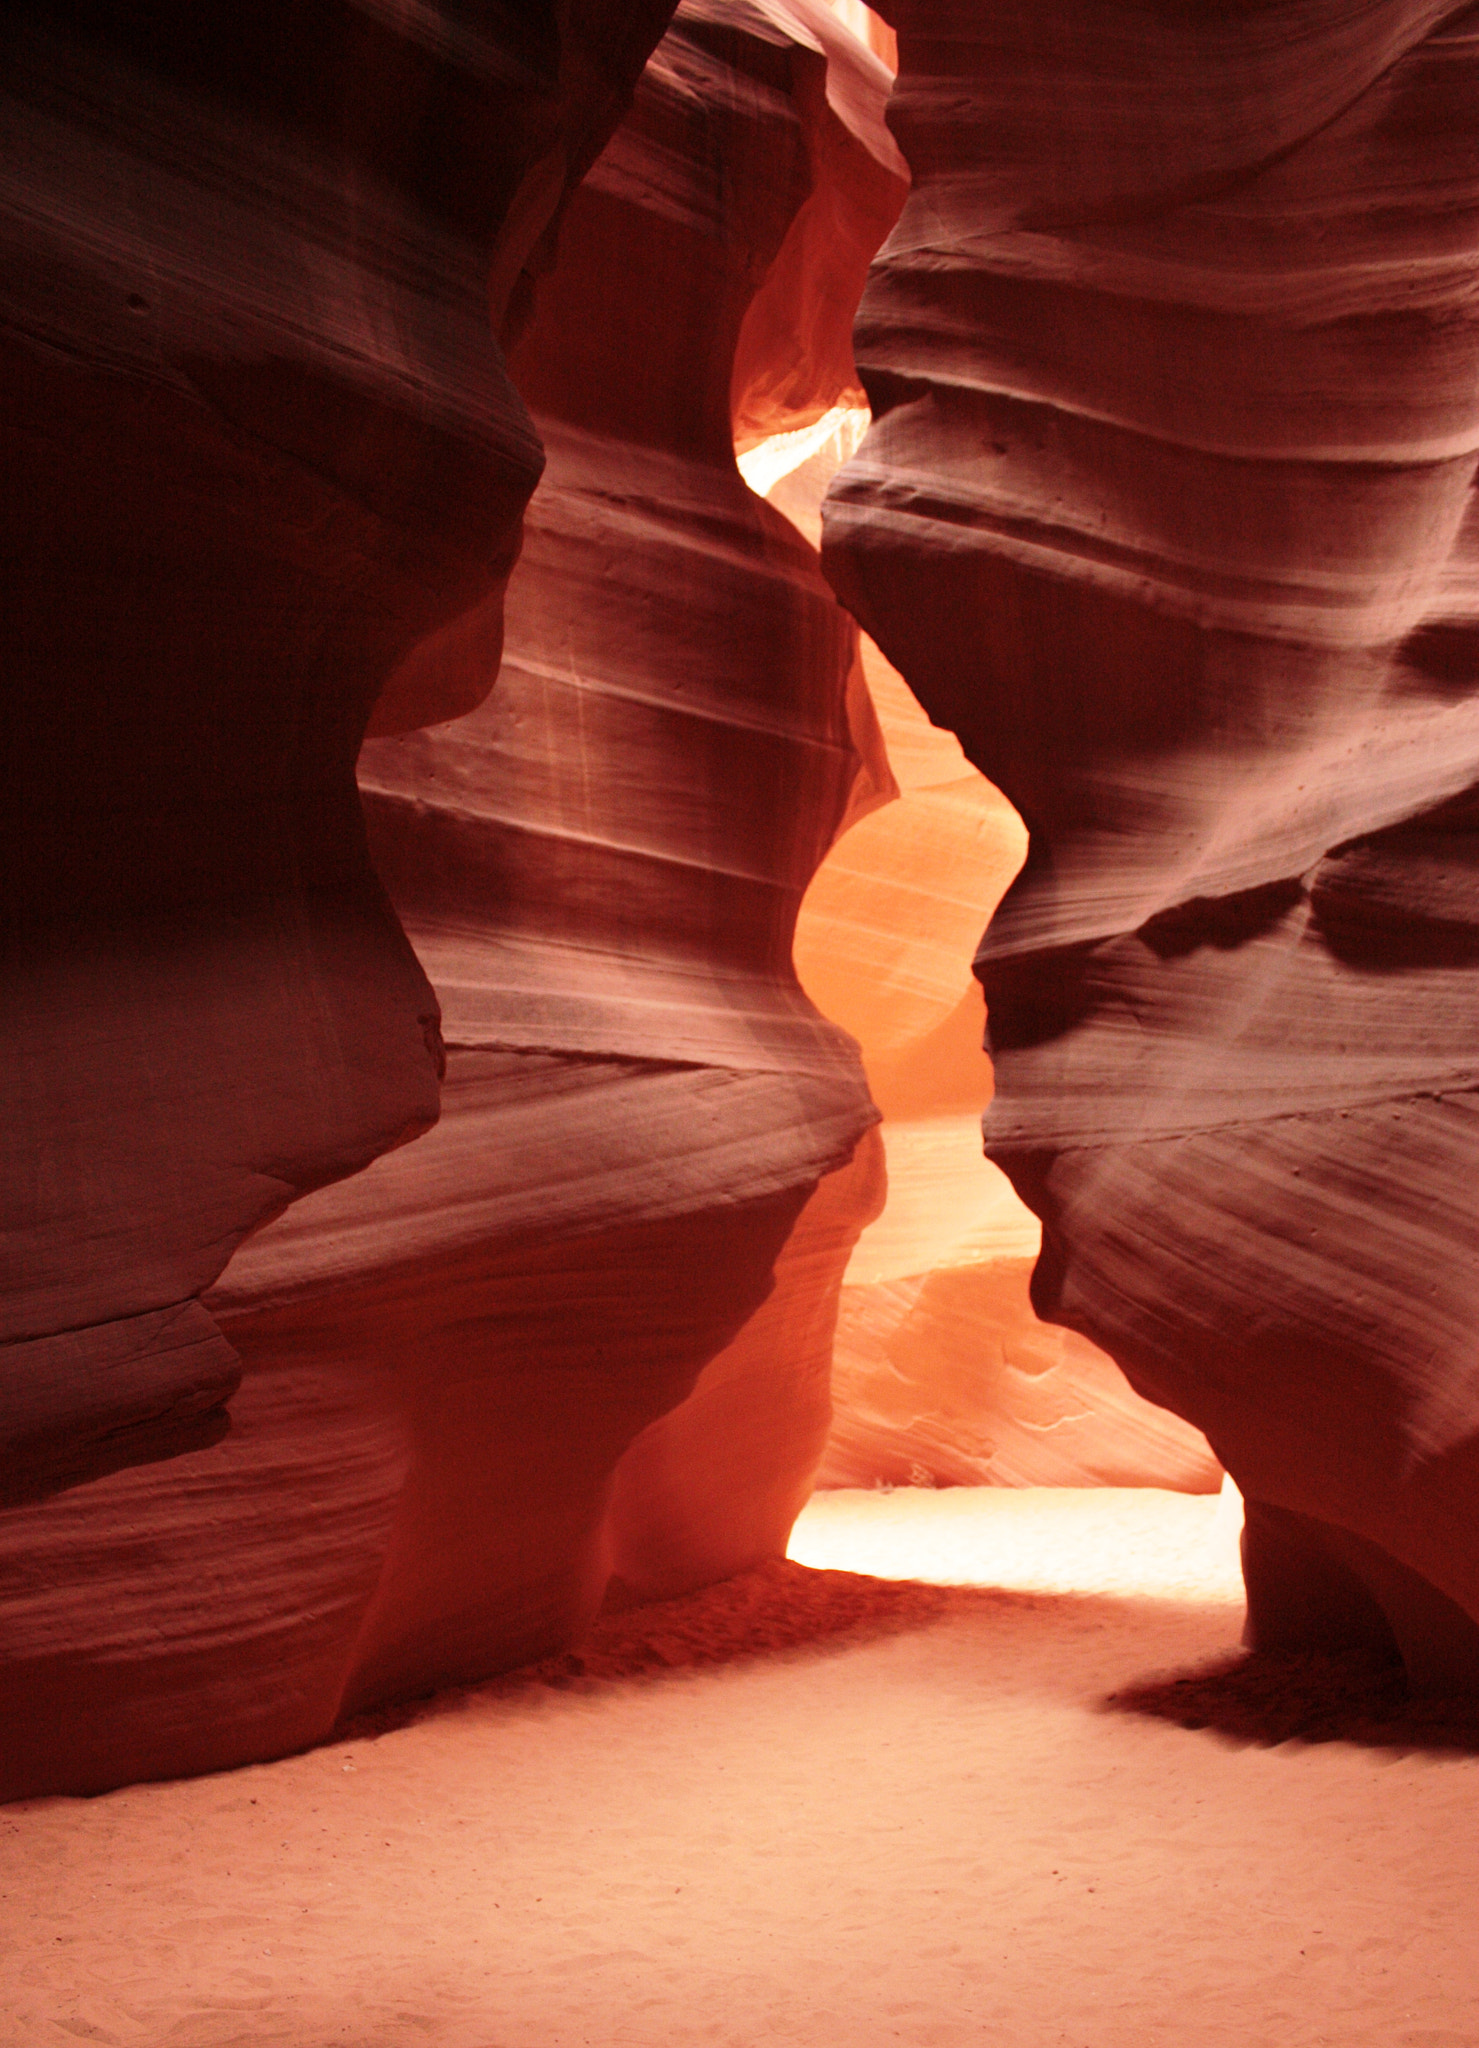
1167 510
261 447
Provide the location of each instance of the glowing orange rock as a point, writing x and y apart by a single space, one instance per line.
942 1373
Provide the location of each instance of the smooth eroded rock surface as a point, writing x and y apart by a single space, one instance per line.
647 1132
1167 511
262 448
942 1374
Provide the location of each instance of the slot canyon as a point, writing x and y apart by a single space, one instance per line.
629 622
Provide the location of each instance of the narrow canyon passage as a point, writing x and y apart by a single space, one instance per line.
484 1140
926 1830
942 1374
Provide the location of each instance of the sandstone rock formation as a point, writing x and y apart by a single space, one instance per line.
446 1355
262 449
1168 511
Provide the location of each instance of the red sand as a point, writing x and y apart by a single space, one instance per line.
803 1808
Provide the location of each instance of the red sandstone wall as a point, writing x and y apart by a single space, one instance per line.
261 446
1168 511
604 863
446 1355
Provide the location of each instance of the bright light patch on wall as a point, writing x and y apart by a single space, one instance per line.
837 433
1132 1542
870 29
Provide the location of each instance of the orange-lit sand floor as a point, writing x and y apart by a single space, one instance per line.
804 1809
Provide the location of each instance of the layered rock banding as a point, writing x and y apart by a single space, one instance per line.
604 863
645 1129
262 447
1167 510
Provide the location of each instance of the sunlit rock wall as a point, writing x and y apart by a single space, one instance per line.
942 1373
445 1356
1167 511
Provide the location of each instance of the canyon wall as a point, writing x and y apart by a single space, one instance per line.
262 448
1167 510
625 1234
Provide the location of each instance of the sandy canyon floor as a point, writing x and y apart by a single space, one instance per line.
809 1809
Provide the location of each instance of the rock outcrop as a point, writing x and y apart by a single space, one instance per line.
646 1130
1168 512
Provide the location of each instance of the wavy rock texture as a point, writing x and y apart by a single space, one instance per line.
646 1129
263 450
605 863
1168 512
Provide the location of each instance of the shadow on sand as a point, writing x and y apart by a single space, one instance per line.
782 1607
1268 1698
773 1609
